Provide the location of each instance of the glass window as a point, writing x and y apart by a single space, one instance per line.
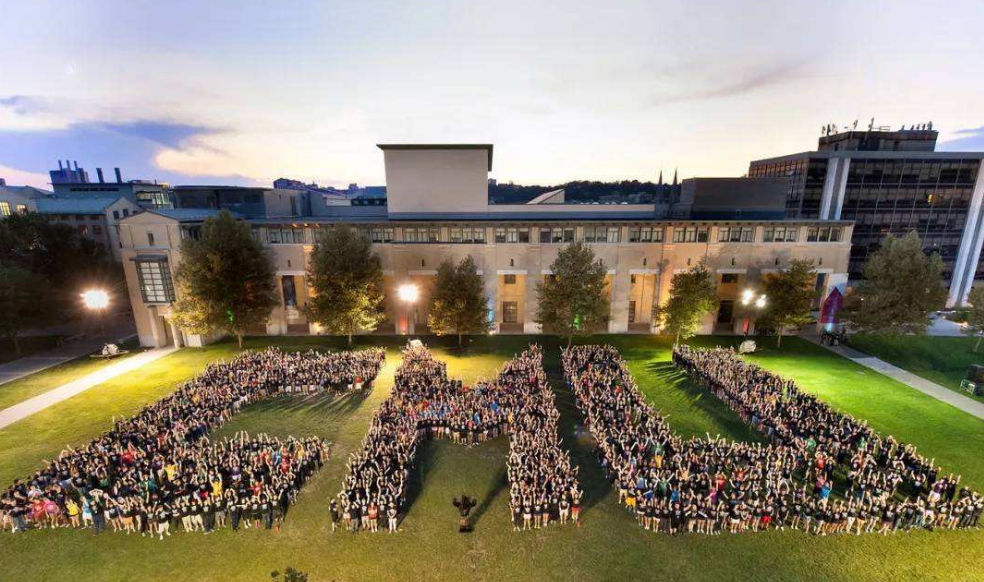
500 235
456 235
154 278
4 208
614 234
690 234
632 311
512 235
510 312
22 208
545 235
509 279
658 234
116 215
150 238
811 234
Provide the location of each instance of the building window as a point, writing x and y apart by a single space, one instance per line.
601 234
22 208
97 230
735 234
632 311
728 278
512 235
289 291
116 215
779 234
510 312
641 234
509 279
823 234
195 232
557 235
421 235
4 208
154 277
381 235
126 212
150 238
690 234
285 236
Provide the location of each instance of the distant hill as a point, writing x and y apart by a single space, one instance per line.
585 191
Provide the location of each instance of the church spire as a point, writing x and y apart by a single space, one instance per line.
661 176
674 176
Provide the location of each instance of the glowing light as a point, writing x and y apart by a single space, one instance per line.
747 296
760 302
407 293
95 299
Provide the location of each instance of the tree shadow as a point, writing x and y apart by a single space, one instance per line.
498 485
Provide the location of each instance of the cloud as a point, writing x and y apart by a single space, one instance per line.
965 140
26 104
719 87
134 146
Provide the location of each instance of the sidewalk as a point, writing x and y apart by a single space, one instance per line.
955 399
27 365
11 415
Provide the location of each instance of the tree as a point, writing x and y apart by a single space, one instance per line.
790 295
573 300
975 315
225 280
347 278
458 303
902 286
24 303
693 294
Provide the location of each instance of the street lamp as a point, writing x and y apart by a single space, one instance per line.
408 293
755 303
96 300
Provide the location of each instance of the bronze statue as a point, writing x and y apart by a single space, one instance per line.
464 505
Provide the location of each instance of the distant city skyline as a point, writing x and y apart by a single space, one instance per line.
244 93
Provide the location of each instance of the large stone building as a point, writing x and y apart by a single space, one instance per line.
437 208
892 182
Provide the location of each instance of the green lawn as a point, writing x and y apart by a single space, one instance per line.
20 390
943 360
609 546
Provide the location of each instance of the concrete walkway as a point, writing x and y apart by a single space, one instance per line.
968 405
16 412
17 369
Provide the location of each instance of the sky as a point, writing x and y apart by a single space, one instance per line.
244 92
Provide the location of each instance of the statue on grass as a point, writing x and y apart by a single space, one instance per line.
464 505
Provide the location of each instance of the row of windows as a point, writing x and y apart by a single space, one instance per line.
154 278
590 234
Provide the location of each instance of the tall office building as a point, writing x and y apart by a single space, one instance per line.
892 182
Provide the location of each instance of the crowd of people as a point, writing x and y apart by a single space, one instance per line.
818 471
158 471
427 404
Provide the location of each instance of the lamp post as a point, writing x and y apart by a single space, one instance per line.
753 303
96 300
408 293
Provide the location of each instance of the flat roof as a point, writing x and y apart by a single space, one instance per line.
438 146
876 155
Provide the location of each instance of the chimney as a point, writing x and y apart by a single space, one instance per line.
59 165
68 165
119 179
99 172
76 165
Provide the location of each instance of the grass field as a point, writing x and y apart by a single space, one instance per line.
609 546
30 386
943 360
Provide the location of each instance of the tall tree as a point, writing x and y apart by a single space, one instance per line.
573 300
458 303
347 278
225 281
693 294
902 286
24 303
790 295
975 315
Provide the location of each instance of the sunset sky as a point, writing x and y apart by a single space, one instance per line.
244 92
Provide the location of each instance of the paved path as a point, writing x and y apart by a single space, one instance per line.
17 369
968 405
16 412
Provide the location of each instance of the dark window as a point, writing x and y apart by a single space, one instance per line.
632 311
290 292
154 277
150 239
727 278
509 279
510 312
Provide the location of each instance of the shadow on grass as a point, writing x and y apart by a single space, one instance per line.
498 485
